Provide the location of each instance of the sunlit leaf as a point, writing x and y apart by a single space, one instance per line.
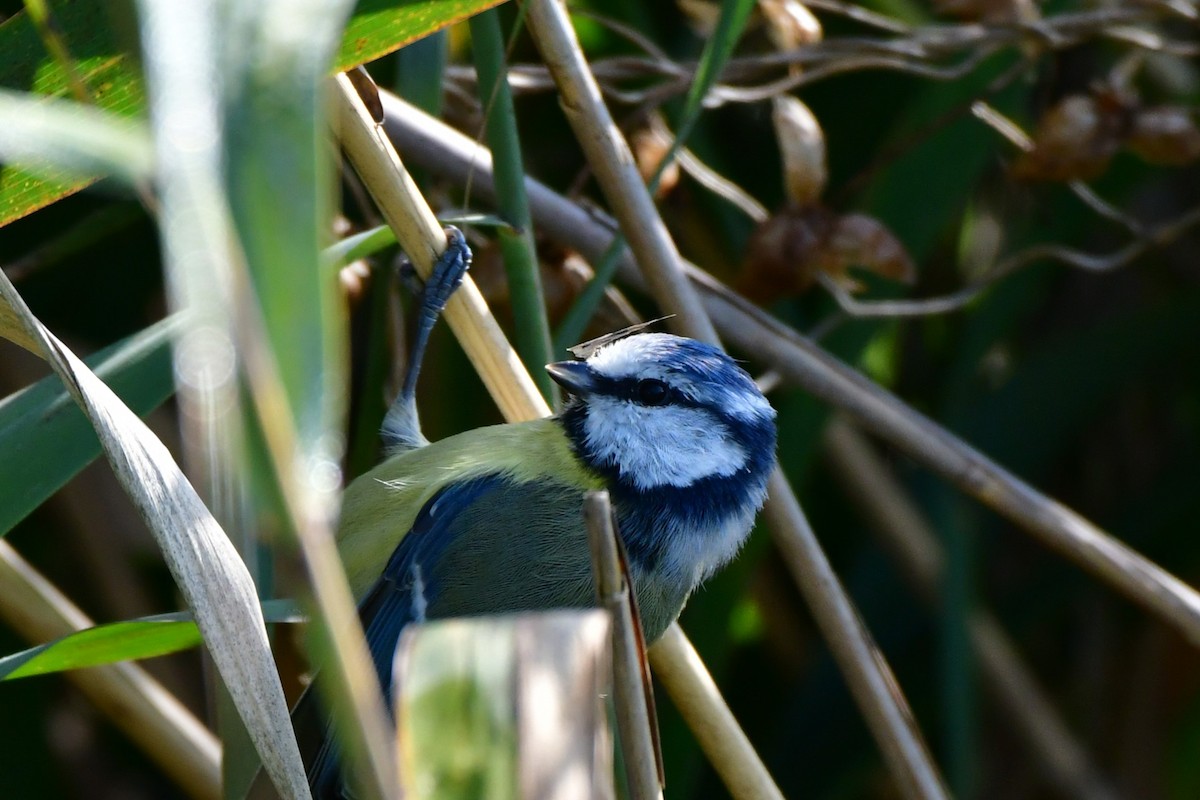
98 38
148 637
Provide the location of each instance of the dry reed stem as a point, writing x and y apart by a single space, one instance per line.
678 666
136 703
906 533
631 699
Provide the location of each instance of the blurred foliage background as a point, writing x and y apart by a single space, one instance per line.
1081 381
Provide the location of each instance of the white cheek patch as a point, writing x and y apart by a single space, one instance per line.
662 445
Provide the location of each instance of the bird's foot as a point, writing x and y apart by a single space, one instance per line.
401 426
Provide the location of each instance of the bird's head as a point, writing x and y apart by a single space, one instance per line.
654 411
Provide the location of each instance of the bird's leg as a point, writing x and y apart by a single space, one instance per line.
402 427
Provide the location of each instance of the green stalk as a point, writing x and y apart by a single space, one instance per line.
419 69
420 72
531 328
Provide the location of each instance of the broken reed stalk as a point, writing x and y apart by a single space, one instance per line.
631 700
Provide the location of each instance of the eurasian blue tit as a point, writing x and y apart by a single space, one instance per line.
491 520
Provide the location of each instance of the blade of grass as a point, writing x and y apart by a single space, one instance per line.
59 137
132 640
420 67
92 34
207 277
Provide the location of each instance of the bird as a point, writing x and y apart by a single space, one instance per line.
491 520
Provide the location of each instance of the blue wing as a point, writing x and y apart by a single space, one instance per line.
401 596
490 544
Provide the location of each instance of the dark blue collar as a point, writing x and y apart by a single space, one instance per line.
651 519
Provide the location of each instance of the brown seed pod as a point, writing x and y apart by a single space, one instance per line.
858 240
1075 139
789 249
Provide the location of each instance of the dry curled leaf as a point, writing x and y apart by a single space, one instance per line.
1076 139
650 145
1165 135
858 240
802 146
789 249
790 24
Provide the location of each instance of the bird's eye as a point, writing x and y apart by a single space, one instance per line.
651 392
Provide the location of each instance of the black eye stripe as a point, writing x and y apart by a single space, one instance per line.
652 392
644 391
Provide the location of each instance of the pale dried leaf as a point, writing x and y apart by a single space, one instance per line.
790 24
12 329
702 15
650 145
802 146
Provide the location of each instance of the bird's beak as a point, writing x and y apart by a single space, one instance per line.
574 376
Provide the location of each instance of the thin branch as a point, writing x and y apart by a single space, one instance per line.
909 536
913 50
871 681
686 679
